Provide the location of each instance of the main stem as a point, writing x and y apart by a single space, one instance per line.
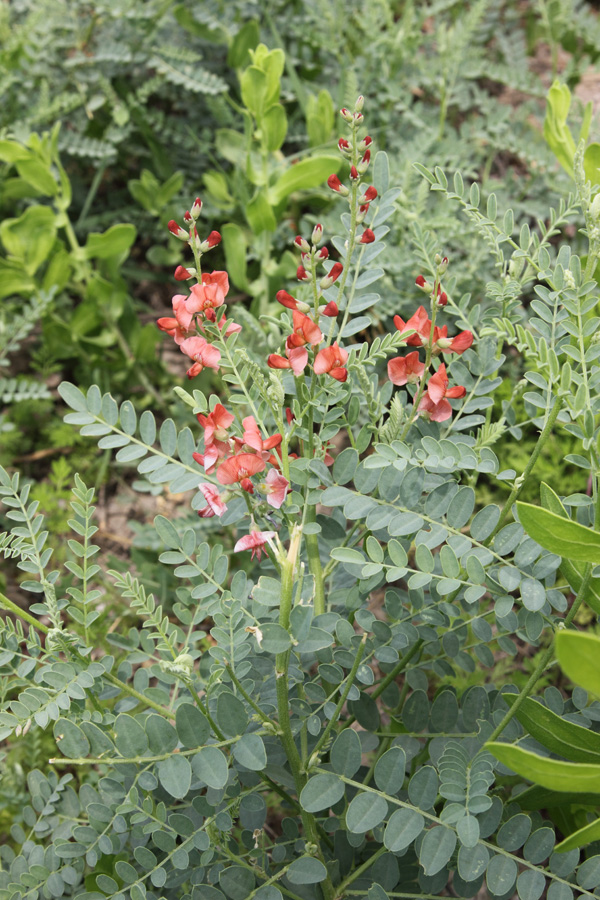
283 708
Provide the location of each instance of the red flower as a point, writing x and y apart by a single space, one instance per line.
276 488
434 403
209 295
254 541
203 354
332 276
216 439
239 470
182 274
332 360
418 322
305 331
367 236
336 185
173 329
252 437
290 302
457 344
330 310
297 358
369 194
405 369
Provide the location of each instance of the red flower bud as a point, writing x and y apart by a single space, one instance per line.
367 236
182 274
187 217
366 158
289 415
317 235
370 193
335 271
442 298
343 144
178 231
367 140
302 274
213 239
302 243
336 185
330 310
323 253
420 281
196 208
354 173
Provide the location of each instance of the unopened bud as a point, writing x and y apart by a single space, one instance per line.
187 217
424 285
354 176
344 145
177 231
369 194
346 114
360 102
333 275
336 185
211 241
358 117
364 163
317 235
367 237
442 298
302 274
196 208
330 310
182 274
302 243
323 253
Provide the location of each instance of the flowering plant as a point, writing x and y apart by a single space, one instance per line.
300 727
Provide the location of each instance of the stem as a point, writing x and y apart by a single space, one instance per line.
283 707
520 482
262 715
398 668
547 657
314 563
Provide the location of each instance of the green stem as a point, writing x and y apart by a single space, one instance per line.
262 715
520 482
398 668
314 563
545 659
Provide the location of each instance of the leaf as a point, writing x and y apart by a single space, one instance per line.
253 85
130 738
556 132
404 826
250 752
31 237
192 726
436 849
162 737
307 870
245 40
390 770
38 175
365 812
70 739
577 654
259 214
304 175
210 765
231 714
175 775
550 773
472 861
583 837
116 241
555 733
274 127
237 882
236 252
501 875
346 754
321 792
275 639
561 536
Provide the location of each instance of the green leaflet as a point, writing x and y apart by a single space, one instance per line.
576 743
561 536
550 773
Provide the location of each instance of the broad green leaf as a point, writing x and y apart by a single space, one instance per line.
307 870
365 812
404 826
30 238
273 127
556 131
561 536
236 251
130 737
245 40
304 175
237 882
501 875
551 773
38 175
531 884
472 861
117 242
11 151
591 164
253 84
175 775
321 792
210 765
390 770
273 638
557 734
231 714
583 837
319 118
578 655
162 737
259 214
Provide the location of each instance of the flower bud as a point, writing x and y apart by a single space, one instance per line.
317 235
369 194
354 176
364 163
323 253
358 117
344 146
367 237
302 243
360 102
424 285
196 208
302 274
187 217
182 274
211 241
336 185
333 275
330 310
442 263
346 114
177 231
442 298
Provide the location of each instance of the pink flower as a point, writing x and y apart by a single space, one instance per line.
202 353
253 438
209 295
405 369
215 506
173 329
254 541
457 344
332 360
305 331
276 488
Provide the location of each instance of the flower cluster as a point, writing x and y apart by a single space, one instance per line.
431 400
193 311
